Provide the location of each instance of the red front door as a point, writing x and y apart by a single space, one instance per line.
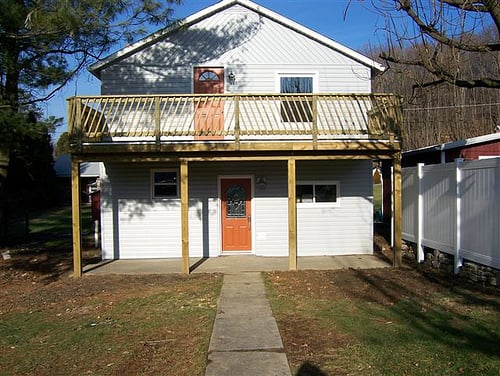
236 214
209 111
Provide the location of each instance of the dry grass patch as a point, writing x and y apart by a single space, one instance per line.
106 325
385 322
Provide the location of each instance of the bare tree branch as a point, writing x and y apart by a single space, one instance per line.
430 30
474 6
442 73
442 36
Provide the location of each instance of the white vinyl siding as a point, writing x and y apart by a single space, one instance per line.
269 205
346 78
343 229
134 225
148 228
255 48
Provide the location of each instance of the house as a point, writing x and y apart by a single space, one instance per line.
487 146
235 131
90 173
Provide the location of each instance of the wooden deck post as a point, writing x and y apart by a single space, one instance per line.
185 216
76 217
292 217
157 117
237 129
398 212
315 122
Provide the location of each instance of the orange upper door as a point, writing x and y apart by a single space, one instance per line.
209 112
236 214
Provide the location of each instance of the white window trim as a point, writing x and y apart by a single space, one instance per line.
152 182
319 204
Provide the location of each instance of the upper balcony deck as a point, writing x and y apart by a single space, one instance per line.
233 122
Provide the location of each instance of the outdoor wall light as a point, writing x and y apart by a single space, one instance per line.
261 182
231 78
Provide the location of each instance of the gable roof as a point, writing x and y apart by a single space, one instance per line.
96 68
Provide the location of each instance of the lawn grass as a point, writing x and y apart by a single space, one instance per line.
385 323
49 229
113 325
350 322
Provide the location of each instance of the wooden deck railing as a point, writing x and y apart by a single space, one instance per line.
237 117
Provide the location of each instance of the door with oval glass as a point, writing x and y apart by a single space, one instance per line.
236 196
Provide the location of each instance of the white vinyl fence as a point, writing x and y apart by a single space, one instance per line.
455 208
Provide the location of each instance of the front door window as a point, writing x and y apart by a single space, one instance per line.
236 202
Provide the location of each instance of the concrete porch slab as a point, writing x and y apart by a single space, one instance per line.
235 264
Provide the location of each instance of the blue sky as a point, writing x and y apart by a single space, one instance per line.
357 30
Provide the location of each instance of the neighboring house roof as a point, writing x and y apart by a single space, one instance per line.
487 146
62 168
219 7
454 144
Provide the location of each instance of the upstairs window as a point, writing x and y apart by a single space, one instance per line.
164 184
299 110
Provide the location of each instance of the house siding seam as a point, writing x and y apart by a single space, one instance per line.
151 228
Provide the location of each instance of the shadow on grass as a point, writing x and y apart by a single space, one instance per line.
438 310
309 369
46 250
48 267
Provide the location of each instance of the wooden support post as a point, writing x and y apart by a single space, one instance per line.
237 130
157 117
185 216
387 196
398 212
315 122
292 217
76 218
78 117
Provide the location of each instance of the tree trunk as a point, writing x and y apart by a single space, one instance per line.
4 165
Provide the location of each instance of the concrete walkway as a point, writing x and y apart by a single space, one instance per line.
245 338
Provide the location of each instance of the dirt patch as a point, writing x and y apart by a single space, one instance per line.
385 286
302 345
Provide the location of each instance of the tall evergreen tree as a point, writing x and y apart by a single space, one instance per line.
43 44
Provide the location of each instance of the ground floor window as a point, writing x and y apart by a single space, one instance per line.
164 183
320 193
